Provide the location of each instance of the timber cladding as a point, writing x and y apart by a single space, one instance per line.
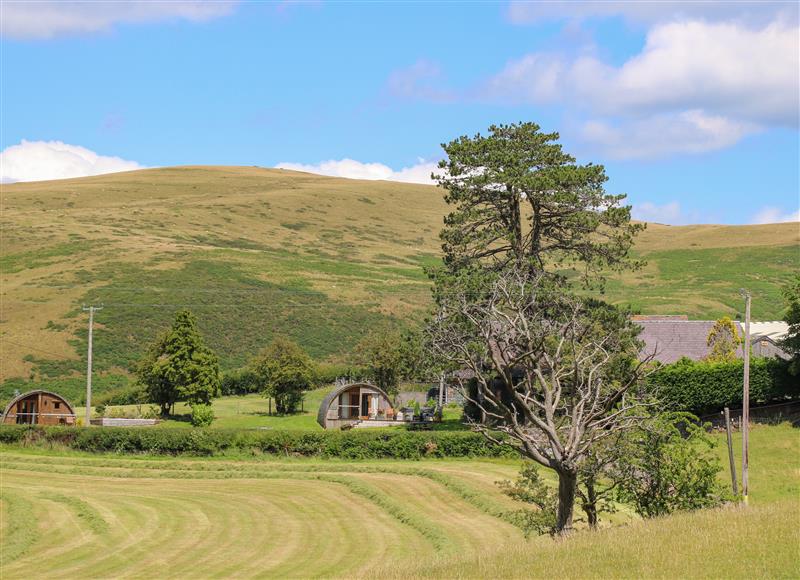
39 408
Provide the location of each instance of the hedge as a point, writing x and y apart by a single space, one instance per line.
704 387
355 444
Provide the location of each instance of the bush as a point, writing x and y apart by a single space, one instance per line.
668 467
357 444
530 488
202 415
129 395
702 388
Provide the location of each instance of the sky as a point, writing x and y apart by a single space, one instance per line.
693 107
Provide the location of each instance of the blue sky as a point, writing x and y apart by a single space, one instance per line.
692 107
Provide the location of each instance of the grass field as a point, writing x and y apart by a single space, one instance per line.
258 252
66 514
252 412
240 412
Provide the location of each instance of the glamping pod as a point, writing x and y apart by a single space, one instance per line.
39 408
355 403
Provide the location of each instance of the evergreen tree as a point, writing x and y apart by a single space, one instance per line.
518 198
178 366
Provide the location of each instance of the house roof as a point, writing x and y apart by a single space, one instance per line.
672 339
774 329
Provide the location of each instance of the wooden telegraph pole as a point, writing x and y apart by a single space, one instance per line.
746 397
91 310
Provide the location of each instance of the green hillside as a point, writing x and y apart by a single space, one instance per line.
255 252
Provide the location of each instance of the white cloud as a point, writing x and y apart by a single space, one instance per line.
724 69
669 213
419 173
672 213
535 78
42 20
774 215
41 160
650 12
688 132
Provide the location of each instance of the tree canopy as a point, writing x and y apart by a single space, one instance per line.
723 339
517 197
284 371
791 343
178 366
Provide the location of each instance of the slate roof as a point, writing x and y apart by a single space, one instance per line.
672 339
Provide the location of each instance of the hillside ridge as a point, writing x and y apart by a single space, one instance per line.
256 251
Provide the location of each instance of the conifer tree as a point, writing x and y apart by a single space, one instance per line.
179 366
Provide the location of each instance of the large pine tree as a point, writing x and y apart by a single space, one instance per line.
518 198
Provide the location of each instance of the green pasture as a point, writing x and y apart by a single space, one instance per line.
67 514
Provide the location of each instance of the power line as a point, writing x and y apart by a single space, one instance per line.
5 340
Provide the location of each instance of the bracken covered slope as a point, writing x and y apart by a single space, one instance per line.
254 252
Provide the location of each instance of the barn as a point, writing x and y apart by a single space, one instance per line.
355 403
39 408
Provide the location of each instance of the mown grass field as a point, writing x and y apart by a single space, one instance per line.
66 514
259 252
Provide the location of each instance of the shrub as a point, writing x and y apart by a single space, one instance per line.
128 395
530 488
357 444
669 466
202 415
702 387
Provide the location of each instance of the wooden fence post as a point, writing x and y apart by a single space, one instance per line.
730 450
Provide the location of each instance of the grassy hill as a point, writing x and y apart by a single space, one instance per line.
255 252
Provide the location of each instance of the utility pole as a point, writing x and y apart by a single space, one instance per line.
91 310
746 396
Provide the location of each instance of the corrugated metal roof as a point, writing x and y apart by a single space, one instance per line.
774 329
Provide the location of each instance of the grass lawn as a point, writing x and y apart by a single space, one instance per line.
252 412
774 462
67 514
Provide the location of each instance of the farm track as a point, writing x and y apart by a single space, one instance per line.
207 518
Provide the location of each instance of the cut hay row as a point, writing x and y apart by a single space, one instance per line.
478 492
181 517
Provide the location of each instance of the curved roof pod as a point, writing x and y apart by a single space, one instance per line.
322 414
69 410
